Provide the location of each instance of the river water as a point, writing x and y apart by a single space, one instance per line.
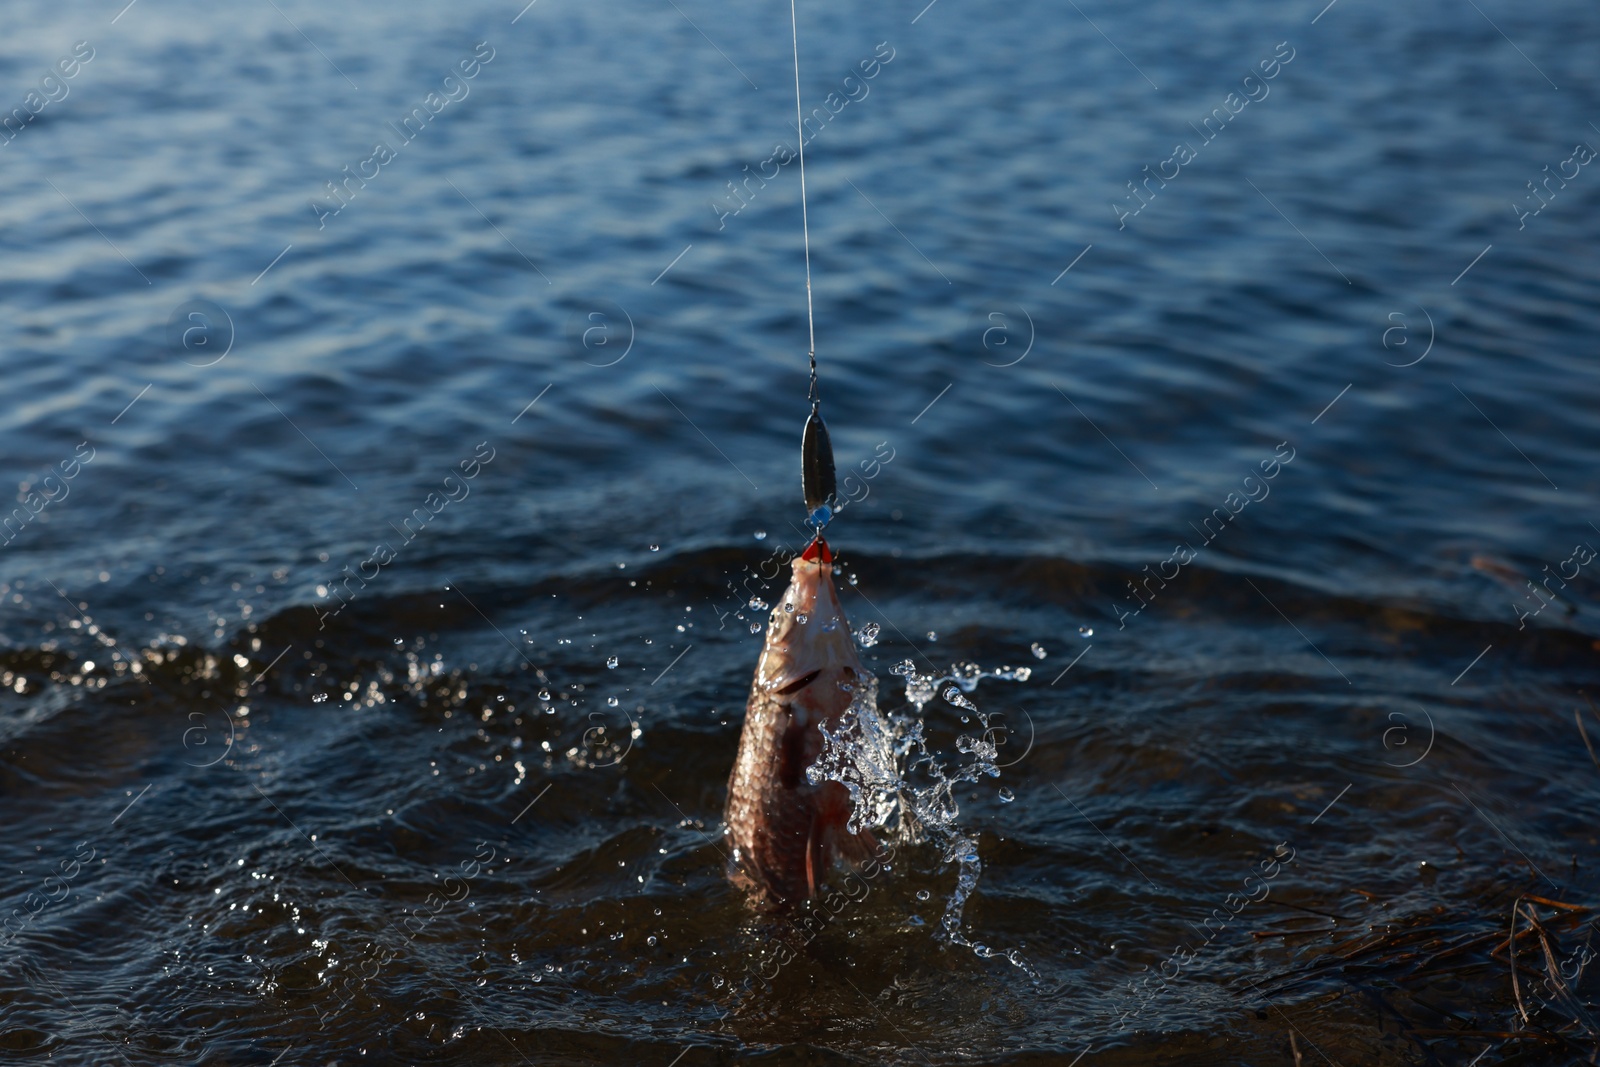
404 411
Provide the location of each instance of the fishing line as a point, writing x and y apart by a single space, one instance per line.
816 451
805 223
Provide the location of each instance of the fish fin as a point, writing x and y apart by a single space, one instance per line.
858 848
818 549
812 847
799 683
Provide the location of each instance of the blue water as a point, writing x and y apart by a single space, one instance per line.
538 388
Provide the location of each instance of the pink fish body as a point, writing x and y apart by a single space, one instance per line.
787 833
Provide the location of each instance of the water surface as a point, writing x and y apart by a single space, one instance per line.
368 797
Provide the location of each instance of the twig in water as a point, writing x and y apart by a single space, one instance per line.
1578 718
1516 992
1547 902
1563 994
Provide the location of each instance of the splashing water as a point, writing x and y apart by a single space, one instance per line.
921 688
900 788
953 695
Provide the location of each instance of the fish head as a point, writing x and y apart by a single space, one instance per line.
808 635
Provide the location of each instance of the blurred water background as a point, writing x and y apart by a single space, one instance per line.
338 503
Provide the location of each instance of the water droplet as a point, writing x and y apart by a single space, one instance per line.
953 695
853 579
544 694
757 604
611 662
1006 795
1038 652
651 940
867 636
923 894
801 618
932 635
611 702
755 627
761 535
789 608
905 668
1086 631
655 548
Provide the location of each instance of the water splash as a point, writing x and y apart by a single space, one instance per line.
902 789
953 695
922 688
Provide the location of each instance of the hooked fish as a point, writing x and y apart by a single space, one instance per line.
787 833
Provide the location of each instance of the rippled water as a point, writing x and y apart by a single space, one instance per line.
1262 472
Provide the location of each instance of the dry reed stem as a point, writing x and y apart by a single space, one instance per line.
1516 991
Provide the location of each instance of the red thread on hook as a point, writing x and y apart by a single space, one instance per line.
818 549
